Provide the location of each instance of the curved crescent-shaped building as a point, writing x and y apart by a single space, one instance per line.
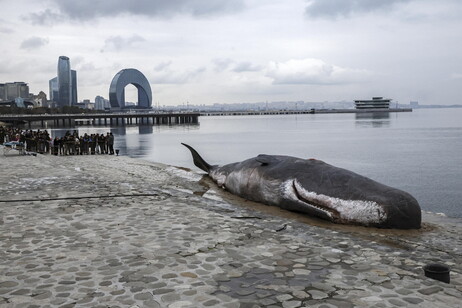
121 80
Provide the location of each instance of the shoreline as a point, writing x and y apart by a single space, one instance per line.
120 231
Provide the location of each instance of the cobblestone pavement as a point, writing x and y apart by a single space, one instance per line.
108 231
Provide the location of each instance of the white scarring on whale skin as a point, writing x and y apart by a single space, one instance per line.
218 177
360 211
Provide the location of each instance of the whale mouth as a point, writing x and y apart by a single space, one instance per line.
339 210
311 200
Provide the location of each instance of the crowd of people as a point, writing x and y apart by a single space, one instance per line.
70 144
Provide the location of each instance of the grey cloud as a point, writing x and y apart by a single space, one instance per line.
6 30
34 68
81 64
87 67
4 67
45 18
246 67
162 66
90 9
118 42
336 8
34 42
3 28
222 64
313 72
174 77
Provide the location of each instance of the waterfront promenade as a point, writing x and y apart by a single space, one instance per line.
115 118
111 231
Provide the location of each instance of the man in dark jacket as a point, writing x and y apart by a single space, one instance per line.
110 143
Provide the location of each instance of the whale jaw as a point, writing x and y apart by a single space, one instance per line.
358 212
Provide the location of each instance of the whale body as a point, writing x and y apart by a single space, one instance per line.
316 188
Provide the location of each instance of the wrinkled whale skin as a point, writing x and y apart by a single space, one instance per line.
316 188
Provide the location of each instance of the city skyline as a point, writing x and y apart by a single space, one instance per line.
242 51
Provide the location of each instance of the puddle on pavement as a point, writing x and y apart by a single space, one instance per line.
257 281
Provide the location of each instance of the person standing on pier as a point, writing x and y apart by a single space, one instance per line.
110 143
86 144
55 146
2 134
102 144
93 138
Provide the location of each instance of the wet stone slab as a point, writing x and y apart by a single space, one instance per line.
99 231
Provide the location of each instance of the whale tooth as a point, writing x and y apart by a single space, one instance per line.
349 211
298 194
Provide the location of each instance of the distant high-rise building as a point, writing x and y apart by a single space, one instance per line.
74 100
101 103
64 82
54 89
23 90
2 92
63 88
12 90
107 104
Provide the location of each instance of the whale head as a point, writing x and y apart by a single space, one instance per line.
316 188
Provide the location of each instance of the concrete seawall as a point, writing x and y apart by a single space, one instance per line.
111 231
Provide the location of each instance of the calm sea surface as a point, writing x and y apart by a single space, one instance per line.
419 152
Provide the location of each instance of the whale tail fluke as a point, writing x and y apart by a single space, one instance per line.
198 160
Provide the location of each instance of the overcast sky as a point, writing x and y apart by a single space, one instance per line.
231 51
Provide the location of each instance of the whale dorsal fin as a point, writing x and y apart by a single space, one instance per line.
266 159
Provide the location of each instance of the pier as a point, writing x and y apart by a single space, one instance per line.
136 118
310 111
370 110
254 112
162 118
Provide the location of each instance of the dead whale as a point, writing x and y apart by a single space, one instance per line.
316 188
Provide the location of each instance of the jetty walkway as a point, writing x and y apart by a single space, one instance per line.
99 231
310 111
104 118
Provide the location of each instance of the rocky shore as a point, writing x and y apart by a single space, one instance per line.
111 231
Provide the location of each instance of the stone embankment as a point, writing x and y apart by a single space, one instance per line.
99 231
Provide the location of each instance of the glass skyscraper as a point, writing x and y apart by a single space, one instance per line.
2 92
73 88
63 88
64 82
54 89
